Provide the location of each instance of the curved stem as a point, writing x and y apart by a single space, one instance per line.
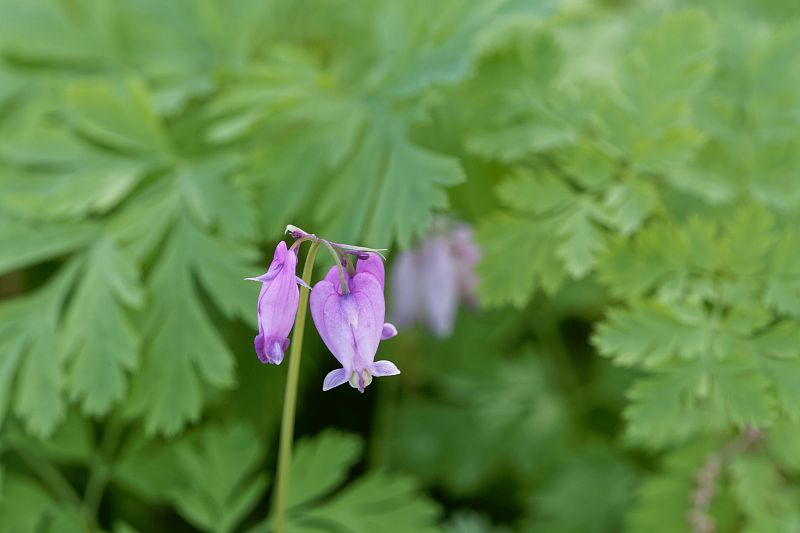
55 482
290 397
100 468
50 475
338 259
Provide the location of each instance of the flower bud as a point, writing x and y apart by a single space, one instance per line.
277 306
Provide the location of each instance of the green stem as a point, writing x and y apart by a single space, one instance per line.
290 398
338 259
55 482
50 475
545 324
100 468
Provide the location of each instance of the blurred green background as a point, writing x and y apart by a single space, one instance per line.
632 169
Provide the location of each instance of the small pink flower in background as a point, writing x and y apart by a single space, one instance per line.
466 254
430 281
277 305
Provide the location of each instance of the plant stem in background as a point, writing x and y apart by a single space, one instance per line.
100 467
290 397
55 482
50 476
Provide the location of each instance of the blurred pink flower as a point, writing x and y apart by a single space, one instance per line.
430 281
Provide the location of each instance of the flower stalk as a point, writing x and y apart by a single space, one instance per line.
290 397
348 309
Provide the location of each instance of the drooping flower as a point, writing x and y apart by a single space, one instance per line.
430 281
466 255
438 278
406 291
277 305
369 263
350 321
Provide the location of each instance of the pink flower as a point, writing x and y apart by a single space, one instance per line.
277 305
430 281
351 323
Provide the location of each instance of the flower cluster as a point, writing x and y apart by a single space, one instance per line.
431 280
347 307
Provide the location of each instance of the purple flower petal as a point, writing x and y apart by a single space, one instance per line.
350 325
388 331
466 254
372 264
384 368
334 379
277 306
333 277
440 285
405 289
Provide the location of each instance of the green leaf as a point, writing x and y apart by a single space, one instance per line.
534 263
438 42
399 203
651 333
118 114
761 495
748 240
774 71
363 155
375 502
27 243
210 474
411 174
629 204
664 409
513 105
217 485
213 200
554 203
100 342
784 374
71 444
56 175
665 495
582 239
633 268
743 394
147 467
540 193
601 480
441 455
24 504
782 292
783 443
140 227
28 342
524 418
776 353
184 351
221 267
320 465
650 123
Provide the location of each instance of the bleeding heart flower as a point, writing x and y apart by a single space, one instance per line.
429 282
351 323
277 305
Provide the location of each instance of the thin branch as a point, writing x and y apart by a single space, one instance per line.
49 475
699 515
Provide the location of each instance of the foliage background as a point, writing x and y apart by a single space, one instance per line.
632 168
